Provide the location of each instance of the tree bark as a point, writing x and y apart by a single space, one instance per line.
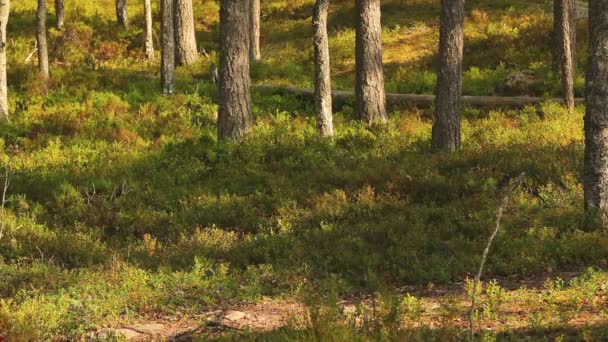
254 49
149 33
122 16
4 15
561 9
59 14
43 54
370 100
446 124
563 28
235 111
595 177
167 70
323 100
186 51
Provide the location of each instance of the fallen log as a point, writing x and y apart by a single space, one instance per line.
422 100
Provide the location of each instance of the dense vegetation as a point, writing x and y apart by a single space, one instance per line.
122 203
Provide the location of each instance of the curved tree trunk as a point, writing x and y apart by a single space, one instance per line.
235 113
186 52
43 54
595 176
323 100
59 14
167 68
4 15
254 49
370 99
149 33
446 124
564 46
122 16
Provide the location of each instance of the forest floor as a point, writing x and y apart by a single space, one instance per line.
124 212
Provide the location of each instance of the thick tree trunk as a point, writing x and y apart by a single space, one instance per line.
43 53
595 176
564 47
235 112
370 99
167 68
122 16
149 32
323 100
254 49
186 51
446 126
4 14
59 14
561 9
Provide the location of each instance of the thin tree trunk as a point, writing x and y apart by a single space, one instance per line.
122 16
43 54
4 15
186 51
370 100
446 126
564 28
254 49
235 111
595 177
167 47
323 100
59 14
561 9
149 32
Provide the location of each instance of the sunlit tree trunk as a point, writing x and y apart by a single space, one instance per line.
565 46
43 54
370 98
323 100
446 124
186 51
149 32
595 177
254 49
59 14
122 16
167 47
235 111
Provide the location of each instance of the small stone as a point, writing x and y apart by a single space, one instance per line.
235 315
106 334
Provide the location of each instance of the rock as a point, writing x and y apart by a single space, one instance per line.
150 328
235 315
109 334
520 83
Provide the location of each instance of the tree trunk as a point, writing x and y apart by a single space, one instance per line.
235 112
561 9
186 52
149 32
323 100
446 124
4 14
254 49
370 99
563 28
595 177
122 16
43 54
167 70
59 14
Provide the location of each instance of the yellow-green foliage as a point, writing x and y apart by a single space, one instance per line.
122 202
